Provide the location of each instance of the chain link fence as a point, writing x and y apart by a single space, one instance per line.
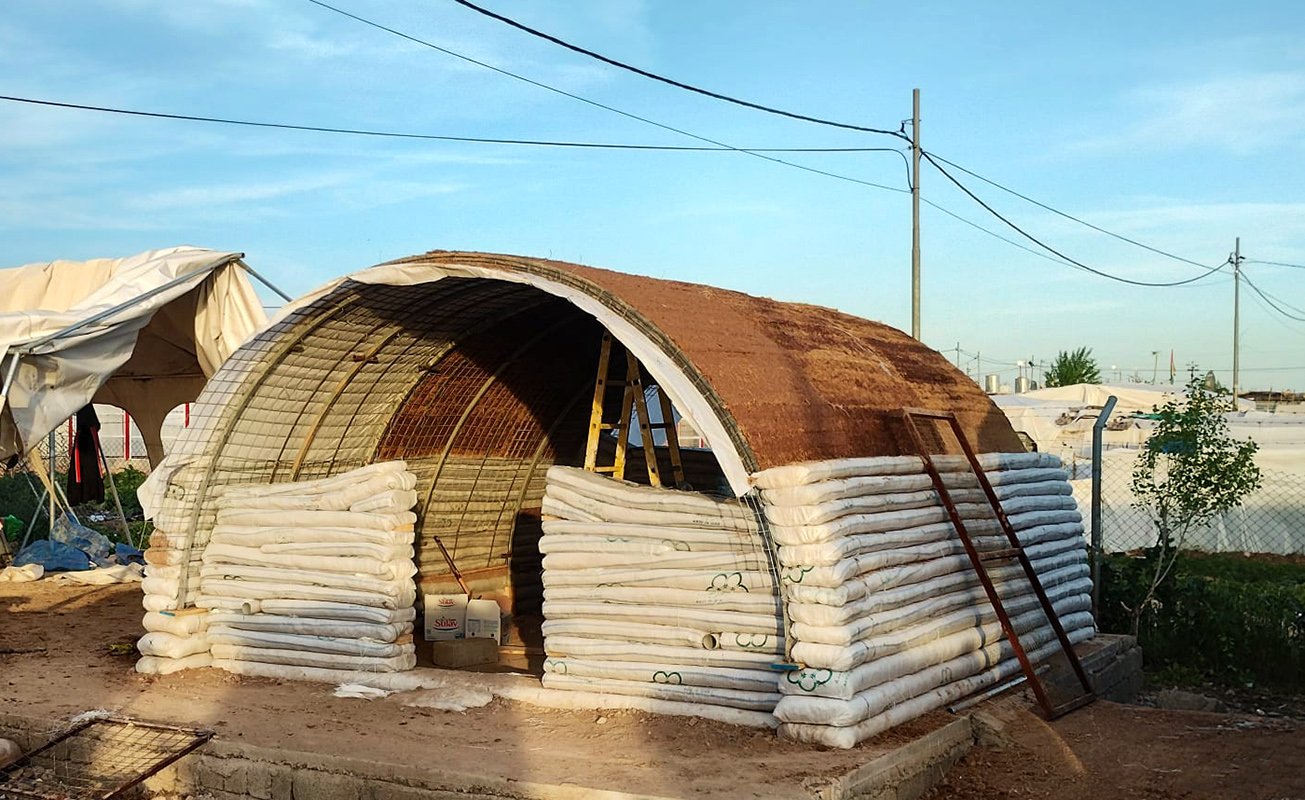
120 440
1270 520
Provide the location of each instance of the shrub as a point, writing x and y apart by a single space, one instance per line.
1229 619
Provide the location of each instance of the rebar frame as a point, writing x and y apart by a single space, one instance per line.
99 759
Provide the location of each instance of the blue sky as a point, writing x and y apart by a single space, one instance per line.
1180 125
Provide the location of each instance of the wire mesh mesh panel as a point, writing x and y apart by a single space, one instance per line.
482 426
98 758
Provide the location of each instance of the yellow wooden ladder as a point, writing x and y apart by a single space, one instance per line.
633 400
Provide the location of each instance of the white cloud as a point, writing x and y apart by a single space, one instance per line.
207 196
1240 113
1195 228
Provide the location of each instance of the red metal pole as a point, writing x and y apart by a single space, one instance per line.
186 424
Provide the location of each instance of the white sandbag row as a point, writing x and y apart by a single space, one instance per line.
888 620
173 641
656 593
314 574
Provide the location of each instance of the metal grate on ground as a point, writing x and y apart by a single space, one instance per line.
98 758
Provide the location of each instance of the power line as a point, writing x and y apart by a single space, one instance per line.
1052 250
595 103
993 233
1006 239
1268 310
1274 263
899 134
1071 217
1274 301
671 81
434 137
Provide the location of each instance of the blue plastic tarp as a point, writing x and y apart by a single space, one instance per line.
94 544
54 556
126 554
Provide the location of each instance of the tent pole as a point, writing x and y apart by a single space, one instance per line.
113 487
32 346
9 376
264 281
54 477
40 506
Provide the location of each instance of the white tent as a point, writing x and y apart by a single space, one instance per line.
143 333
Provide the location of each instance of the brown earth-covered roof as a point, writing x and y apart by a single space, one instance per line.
797 382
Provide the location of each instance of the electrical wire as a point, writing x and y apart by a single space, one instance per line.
1274 263
1270 312
1008 240
993 233
1072 262
1274 297
1061 258
1274 301
671 81
1071 217
596 104
427 136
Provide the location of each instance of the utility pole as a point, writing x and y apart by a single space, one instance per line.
958 355
915 214
1237 301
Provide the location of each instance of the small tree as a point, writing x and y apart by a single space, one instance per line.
1074 367
1190 471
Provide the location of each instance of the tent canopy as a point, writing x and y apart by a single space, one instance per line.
142 333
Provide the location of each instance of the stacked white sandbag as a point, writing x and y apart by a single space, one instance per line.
313 573
657 593
174 639
887 614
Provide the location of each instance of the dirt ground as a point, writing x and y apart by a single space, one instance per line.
56 661
1108 750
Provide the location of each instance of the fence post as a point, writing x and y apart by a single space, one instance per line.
1097 544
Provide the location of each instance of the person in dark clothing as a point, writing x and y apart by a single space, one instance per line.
85 483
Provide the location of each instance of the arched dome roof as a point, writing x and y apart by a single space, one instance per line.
478 370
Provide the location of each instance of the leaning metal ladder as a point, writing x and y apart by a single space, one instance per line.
980 558
632 400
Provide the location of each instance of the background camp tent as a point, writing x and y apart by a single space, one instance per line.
142 333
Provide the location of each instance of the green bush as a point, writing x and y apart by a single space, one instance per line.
1227 619
18 498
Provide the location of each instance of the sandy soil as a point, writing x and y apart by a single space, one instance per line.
1121 751
56 661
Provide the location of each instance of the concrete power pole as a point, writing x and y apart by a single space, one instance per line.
1237 302
915 215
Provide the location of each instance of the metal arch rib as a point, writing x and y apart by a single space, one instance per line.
398 327
234 412
658 353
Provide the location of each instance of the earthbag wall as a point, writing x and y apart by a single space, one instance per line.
312 574
887 614
658 593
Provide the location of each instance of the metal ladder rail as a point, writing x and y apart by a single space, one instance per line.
978 560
